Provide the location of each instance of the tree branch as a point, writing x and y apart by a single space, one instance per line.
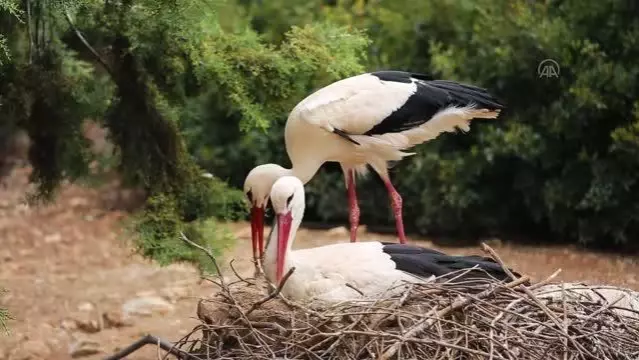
150 339
274 293
29 35
86 43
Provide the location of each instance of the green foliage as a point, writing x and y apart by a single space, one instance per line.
270 82
157 73
160 220
260 82
197 84
10 7
56 110
554 149
560 162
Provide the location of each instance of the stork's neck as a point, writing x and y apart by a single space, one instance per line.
270 254
305 170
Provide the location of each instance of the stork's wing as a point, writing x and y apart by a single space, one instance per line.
353 105
385 102
425 262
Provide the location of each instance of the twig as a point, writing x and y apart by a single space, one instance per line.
237 274
150 339
86 43
376 321
184 340
208 253
406 339
29 35
606 305
426 322
545 281
539 303
274 293
354 288
563 303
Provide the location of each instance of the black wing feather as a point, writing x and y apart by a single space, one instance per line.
430 97
344 135
425 262
400 76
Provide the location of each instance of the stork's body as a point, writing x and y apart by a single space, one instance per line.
369 120
321 273
348 271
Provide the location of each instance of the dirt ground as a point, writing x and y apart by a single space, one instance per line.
75 287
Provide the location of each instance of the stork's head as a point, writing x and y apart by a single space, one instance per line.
257 187
287 197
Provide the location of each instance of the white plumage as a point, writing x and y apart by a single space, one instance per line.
356 105
323 274
351 271
369 120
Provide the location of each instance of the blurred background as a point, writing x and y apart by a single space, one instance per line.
131 100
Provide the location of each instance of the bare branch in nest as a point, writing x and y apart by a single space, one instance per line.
237 275
208 253
150 339
274 293
545 281
545 309
429 321
354 288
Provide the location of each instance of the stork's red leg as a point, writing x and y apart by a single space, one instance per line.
396 203
353 215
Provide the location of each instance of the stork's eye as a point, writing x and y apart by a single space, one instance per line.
288 201
249 194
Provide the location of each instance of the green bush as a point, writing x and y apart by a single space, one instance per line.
560 163
159 75
184 90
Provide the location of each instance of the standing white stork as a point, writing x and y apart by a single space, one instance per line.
331 273
368 119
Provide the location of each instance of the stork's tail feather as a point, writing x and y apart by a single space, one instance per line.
392 146
468 95
484 113
361 170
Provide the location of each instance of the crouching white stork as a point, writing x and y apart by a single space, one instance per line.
348 271
363 120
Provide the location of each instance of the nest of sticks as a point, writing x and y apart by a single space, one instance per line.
248 319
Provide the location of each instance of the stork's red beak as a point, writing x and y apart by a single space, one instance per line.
284 222
257 231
